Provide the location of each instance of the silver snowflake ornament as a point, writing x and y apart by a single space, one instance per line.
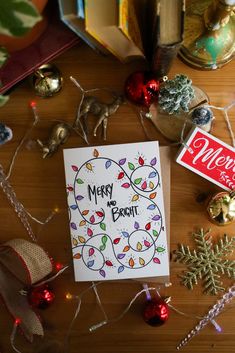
207 262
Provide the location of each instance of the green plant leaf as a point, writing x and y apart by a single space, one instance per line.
3 100
3 56
17 17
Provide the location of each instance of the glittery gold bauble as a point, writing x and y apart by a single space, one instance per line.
47 80
221 208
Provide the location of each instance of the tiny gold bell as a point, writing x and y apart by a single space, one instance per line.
47 80
221 208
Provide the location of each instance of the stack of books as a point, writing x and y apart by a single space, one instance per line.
129 29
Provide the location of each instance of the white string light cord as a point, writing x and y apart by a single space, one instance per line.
217 308
225 112
77 311
147 291
143 115
106 320
19 208
119 317
13 334
51 278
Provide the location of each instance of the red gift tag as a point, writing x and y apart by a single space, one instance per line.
209 157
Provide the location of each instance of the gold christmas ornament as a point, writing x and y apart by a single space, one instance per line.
221 208
47 80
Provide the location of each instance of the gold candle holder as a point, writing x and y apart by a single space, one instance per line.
209 35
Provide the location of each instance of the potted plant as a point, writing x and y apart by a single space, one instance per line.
17 17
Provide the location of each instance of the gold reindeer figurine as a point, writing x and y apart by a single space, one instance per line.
59 135
103 111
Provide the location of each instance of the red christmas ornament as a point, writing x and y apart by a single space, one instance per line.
156 312
142 88
41 297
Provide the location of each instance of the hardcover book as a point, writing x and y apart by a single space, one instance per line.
130 29
168 27
69 15
116 212
114 25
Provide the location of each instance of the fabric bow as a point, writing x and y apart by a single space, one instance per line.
22 264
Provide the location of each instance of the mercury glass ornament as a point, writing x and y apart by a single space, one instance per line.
47 80
221 208
202 117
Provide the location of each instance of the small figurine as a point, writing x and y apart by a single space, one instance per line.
103 111
5 134
59 135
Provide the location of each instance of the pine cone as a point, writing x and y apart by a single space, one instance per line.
175 95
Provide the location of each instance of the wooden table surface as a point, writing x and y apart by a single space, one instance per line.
40 186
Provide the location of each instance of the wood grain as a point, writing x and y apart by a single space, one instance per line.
40 186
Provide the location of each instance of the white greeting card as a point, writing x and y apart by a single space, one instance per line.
116 211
